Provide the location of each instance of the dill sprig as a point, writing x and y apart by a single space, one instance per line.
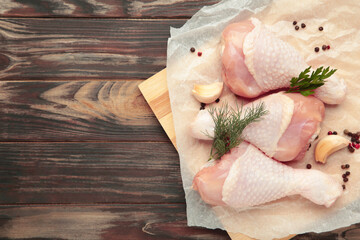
306 84
229 125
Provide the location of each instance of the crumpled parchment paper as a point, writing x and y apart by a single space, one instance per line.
291 215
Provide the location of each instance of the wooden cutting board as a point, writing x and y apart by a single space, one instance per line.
156 94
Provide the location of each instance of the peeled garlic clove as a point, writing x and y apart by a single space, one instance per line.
208 93
329 145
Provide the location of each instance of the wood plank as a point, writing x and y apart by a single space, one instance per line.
68 49
139 172
130 222
101 8
76 111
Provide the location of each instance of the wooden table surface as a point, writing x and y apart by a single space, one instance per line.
81 154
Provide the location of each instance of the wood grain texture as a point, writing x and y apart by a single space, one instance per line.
76 111
156 93
51 49
130 222
89 173
102 8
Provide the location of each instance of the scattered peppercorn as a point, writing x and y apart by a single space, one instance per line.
329 132
347 166
296 28
217 100
303 25
202 106
347 173
294 22
316 49
199 54
345 179
343 167
321 28
324 47
334 133
346 132
192 49
344 187
328 47
357 146
344 175
308 166
351 149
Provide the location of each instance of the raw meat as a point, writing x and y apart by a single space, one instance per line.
255 61
246 177
292 122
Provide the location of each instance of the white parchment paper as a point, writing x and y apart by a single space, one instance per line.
341 22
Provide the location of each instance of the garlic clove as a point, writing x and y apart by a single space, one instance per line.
208 93
328 145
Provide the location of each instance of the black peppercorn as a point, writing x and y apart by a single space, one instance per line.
344 175
344 187
316 49
294 22
334 132
217 100
347 173
296 28
303 25
321 28
202 106
324 47
351 149
343 167
353 139
347 166
308 166
192 49
345 179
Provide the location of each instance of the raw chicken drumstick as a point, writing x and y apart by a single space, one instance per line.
255 61
245 177
284 133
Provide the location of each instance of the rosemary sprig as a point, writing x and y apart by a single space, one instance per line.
306 84
229 124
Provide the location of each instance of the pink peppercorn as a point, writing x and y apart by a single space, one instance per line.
357 146
330 133
328 47
199 54
353 144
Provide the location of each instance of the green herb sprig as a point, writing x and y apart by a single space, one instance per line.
229 125
306 84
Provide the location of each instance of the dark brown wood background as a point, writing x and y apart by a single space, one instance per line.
81 154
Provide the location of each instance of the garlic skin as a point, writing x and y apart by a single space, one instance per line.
328 145
208 93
